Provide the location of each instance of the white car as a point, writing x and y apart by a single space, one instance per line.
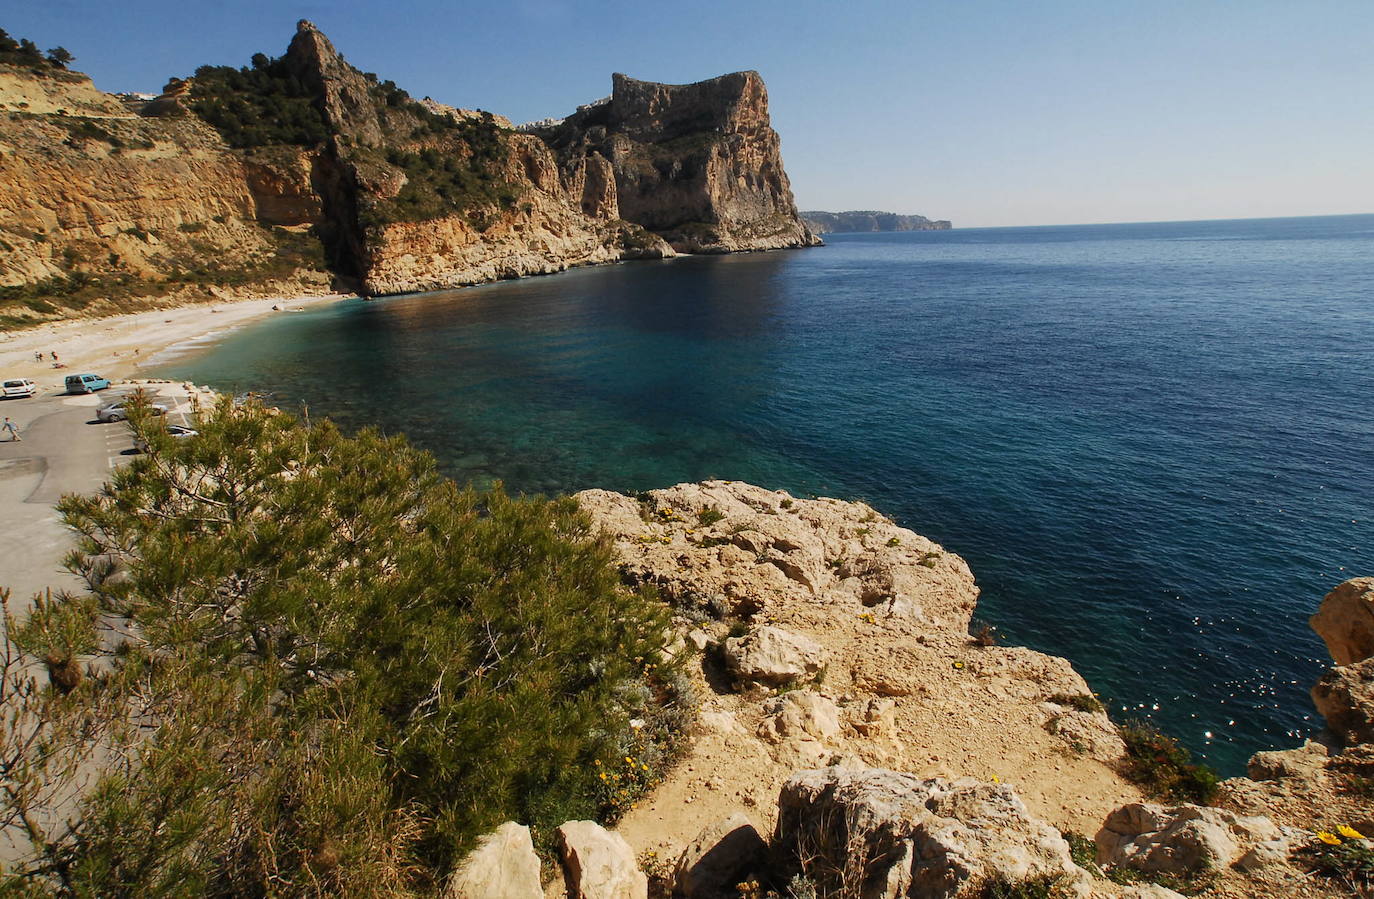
16 387
115 411
172 431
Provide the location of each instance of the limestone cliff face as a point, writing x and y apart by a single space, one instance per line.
96 200
556 225
699 164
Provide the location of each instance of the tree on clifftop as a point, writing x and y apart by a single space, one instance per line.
60 58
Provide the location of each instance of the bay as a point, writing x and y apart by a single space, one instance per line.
1152 442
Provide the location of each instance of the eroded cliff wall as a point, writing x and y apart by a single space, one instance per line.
100 206
698 164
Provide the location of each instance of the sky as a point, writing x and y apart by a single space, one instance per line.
985 113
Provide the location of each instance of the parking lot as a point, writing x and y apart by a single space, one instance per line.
64 449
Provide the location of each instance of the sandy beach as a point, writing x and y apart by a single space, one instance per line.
120 346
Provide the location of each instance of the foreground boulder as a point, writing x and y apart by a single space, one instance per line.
1183 840
1345 621
723 855
599 864
1345 698
773 656
503 866
895 834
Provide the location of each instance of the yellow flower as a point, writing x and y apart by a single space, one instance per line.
958 665
602 775
996 779
1346 830
597 762
629 761
1329 839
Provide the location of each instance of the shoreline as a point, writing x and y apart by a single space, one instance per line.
123 345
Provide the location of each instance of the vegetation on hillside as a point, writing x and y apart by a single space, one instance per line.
336 669
24 52
259 105
465 176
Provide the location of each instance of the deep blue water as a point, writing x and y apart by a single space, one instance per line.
1153 443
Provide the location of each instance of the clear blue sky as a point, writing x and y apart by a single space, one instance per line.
987 113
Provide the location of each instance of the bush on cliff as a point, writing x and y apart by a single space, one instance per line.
345 668
258 106
1164 767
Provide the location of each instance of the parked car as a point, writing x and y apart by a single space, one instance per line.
116 412
86 383
177 431
19 387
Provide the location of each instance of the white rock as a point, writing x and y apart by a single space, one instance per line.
503 866
599 864
799 713
1185 839
771 655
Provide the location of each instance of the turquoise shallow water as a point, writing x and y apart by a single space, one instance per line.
1153 443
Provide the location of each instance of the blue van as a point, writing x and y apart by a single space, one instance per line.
86 383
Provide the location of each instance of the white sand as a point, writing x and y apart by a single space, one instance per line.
121 345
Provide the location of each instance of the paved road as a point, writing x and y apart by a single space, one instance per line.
63 450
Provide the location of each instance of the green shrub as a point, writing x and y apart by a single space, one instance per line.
1163 767
258 106
1083 702
348 666
709 516
1044 887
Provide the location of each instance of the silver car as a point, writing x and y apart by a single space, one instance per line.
116 412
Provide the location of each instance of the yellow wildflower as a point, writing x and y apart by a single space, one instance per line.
1346 830
1328 838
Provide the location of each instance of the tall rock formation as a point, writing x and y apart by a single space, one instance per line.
698 164
303 166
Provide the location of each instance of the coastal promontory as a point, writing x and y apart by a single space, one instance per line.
295 172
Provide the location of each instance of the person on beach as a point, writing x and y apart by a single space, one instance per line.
14 431
38 357
54 357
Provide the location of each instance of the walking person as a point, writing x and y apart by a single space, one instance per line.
10 426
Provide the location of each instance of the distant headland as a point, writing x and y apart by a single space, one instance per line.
870 220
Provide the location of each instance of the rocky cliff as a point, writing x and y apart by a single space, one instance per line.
699 164
99 205
869 220
304 168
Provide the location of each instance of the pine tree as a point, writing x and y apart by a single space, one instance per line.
346 667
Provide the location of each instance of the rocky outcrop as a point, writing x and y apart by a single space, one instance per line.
1184 840
773 656
888 834
1345 621
868 220
698 164
503 866
1345 698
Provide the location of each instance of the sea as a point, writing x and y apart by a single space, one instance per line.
1153 443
